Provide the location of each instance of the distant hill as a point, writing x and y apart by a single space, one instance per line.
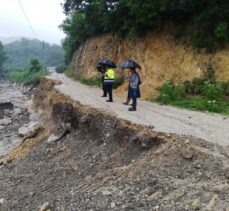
20 51
7 40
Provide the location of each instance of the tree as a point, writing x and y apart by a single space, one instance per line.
35 65
2 56
204 22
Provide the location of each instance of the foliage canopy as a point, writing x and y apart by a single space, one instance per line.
205 22
2 56
21 51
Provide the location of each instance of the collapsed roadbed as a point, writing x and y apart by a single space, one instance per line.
88 159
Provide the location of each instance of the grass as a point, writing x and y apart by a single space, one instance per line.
94 81
25 76
204 96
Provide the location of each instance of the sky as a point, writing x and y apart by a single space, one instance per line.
44 15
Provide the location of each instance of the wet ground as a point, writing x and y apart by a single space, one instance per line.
93 161
13 114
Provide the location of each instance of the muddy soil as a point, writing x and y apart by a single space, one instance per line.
13 114
95 161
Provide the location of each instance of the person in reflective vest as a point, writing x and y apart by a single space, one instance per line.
109 81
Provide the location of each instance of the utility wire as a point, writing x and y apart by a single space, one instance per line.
27 19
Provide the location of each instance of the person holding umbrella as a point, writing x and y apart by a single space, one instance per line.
134 82
109 76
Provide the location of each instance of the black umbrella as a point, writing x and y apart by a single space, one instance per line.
130 64
107 62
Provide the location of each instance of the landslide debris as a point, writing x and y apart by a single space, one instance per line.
96 161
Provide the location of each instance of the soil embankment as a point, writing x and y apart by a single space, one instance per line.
161 56
88 159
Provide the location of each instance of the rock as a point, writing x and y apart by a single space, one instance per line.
31 193
29 131
226 175
196 204
107 193
45 207
2 201
187 153
113 205
53 138
5 122
212 202
17 111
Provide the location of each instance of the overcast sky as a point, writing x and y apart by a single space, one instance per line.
44 15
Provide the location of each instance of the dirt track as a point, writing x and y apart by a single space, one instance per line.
210 127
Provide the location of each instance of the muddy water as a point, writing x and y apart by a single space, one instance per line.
13 115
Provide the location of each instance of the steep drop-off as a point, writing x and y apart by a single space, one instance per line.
162 58
88 159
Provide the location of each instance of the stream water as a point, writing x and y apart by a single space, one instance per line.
13 115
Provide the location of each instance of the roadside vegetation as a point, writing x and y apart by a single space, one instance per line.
94 81
201 94
35 71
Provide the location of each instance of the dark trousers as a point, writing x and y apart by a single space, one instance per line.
103 86
129 93
104 89
109 87
133 96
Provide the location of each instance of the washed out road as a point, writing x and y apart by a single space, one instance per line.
213 128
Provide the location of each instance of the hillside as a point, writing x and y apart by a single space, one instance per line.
161 56
7 40
20 51
172 40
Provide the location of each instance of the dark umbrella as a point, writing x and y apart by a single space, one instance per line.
130 64
107 62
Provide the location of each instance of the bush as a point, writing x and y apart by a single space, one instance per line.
23 76
118 82
96 81
61 68
225 87
170 92
204 94
213 92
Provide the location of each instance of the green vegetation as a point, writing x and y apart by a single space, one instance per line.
204 94
35 71
204 23
61 68
21 51
22 76
94 81
2 57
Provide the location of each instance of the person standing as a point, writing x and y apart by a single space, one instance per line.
138 89
109 82
134 80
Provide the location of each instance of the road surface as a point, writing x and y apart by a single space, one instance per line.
210 127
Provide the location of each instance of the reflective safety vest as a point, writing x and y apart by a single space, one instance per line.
109 75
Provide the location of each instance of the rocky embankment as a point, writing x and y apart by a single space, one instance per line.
85 159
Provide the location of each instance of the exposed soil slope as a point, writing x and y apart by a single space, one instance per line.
161 56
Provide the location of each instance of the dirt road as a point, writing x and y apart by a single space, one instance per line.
210 127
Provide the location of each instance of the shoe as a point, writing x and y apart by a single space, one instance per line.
103 96
109 101
132 109
125 103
